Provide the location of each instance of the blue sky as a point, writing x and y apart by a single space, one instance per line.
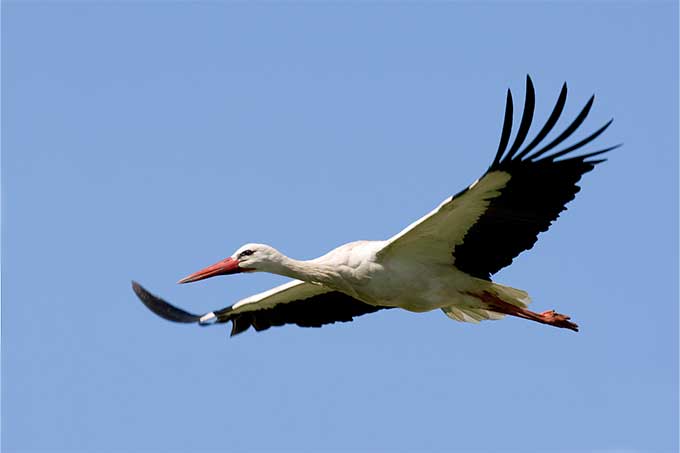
145 140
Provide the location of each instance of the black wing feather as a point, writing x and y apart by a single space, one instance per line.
527 116
162 308
547 127
507 129
538 190
582 143
315 311
567 132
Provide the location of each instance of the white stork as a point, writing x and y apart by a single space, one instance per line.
443 260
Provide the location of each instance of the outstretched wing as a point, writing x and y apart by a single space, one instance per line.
296 302
484 227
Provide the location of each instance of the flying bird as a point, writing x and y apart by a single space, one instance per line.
444 260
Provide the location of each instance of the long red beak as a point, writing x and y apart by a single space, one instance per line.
224 267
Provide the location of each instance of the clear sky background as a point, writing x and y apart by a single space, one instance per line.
145 140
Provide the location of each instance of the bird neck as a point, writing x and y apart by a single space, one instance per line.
307 271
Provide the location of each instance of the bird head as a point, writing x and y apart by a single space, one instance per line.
248 258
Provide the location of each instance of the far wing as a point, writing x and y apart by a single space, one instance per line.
296 302
483 228
436 234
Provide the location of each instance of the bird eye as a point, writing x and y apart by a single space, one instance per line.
245 253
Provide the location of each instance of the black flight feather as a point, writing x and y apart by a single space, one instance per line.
536 193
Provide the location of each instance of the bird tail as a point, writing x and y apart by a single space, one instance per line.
476 312
514 296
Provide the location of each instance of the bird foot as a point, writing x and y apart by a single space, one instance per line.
558 320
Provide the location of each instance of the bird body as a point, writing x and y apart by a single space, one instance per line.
357 269
442 261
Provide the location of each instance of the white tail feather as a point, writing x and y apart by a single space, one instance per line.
511 295
475 314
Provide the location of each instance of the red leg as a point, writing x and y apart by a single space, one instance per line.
549 317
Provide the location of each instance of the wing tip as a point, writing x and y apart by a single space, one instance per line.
573 126
525 122
136 287
597 153
514 153
506 130
162 308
